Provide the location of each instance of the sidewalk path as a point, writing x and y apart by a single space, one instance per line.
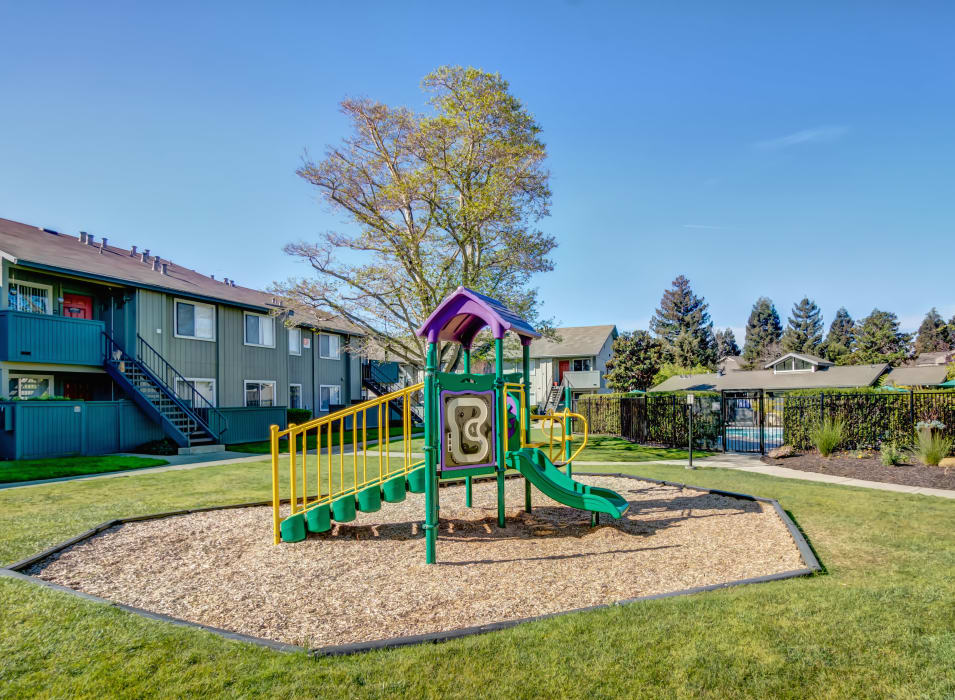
741 462
182 462
752 463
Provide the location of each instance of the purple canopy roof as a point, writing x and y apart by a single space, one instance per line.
465 312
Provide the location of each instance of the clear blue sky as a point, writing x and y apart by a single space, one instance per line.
759 150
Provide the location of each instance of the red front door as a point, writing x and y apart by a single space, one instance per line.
563 366
78 306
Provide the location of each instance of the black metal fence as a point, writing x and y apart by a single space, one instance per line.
759 421
868 420
658 420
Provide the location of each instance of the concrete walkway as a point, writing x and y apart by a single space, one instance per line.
183 462
752 463
741 462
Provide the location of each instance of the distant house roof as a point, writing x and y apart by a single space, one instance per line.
811 359
850 376
931 375
575 341
43 249
731 363
941 357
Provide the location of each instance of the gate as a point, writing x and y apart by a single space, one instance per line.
752 421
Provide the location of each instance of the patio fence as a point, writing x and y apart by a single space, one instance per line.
868 419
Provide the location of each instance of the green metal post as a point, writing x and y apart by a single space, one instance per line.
468 500
525 416
567 424
501 425
430 457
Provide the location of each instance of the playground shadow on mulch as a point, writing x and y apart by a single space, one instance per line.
554 521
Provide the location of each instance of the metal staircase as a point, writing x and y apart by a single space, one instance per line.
554 398
373 379
185 416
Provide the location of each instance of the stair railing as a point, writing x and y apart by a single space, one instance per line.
193 403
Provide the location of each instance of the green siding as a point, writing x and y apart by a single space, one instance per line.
43 429
28 337
251 424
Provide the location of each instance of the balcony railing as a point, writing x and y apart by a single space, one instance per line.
29 337
583 380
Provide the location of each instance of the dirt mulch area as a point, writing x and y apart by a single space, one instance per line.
367 580
868 467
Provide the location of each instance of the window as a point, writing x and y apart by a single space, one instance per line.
259 330
581 365
31 297
329 395
294 395
196 321
204 387
259 393
329 346
294 341
30 386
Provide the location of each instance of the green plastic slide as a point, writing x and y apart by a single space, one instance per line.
540 471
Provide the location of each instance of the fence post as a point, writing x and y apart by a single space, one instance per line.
912 411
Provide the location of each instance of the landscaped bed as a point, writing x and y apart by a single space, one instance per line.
866 465
367 580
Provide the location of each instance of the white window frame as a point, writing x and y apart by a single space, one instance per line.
328 386
21 375
175 319
581 359
300 339
245 340
245 384
35 285
211 380
328 357
301 396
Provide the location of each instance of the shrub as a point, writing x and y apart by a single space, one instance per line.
890 454
299 415
826 436
158 447
932 449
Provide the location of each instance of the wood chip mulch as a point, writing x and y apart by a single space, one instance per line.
869 468
367 579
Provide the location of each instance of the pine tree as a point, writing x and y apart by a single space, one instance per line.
878 339
841 337
763 331
683 325
804 331
634 361
933 334
726 344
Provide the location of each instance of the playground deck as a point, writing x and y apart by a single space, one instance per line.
366 579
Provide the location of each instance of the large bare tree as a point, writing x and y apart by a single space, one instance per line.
451 197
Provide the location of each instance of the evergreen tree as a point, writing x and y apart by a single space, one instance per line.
804 328
726 344
683 325
841 337
933 334
634 361
763 331
878 339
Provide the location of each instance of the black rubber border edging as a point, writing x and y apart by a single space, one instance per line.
15 571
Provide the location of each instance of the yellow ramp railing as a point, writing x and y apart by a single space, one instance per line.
317 475
558 419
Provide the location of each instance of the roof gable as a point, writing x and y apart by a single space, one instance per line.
575 341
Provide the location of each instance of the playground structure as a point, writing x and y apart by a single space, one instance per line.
475 425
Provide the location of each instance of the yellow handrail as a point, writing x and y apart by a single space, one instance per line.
333 480
559 419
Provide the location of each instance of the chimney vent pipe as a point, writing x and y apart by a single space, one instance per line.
165 268
132 252
83 235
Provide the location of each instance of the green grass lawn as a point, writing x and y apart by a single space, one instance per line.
880 623
30 469
263 447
